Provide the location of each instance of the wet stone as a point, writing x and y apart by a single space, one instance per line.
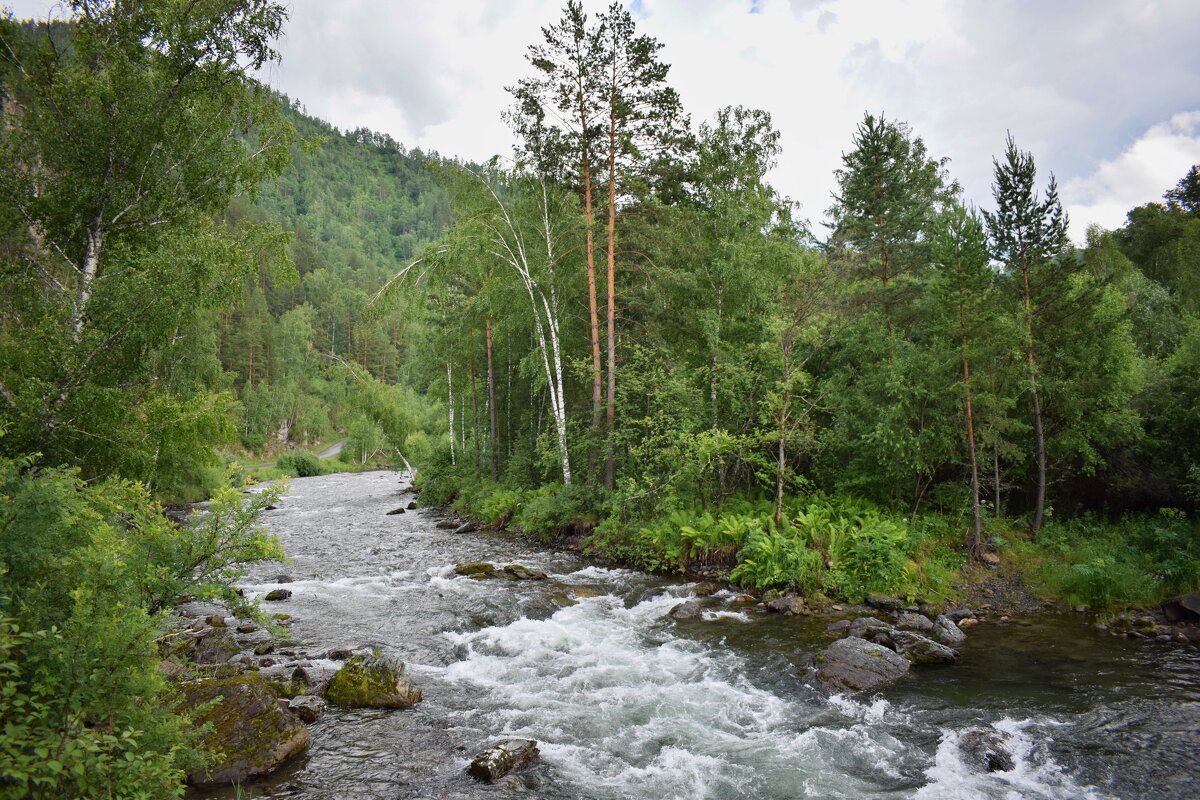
856 665
502 758
278 594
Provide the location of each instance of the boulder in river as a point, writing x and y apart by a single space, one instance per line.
516 572
986 751
689 609
946 632
856 665
412 506
278 594
447 524
923 650
502 758
871 629
307 707
249 728
395 511
476 569
467 527
372 682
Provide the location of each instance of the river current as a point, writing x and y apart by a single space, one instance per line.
626 703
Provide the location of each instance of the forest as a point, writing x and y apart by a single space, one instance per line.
621 333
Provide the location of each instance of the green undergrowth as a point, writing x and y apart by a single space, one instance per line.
1137 561
845 547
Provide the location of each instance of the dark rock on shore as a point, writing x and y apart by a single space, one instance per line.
372 682
1184 608
946 632
789 605
885 603
467 527
214 646
914 621
255 734
856 665
502 758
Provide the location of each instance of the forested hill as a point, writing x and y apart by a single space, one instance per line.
358 207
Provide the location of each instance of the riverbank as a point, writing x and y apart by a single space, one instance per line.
627 702
997 590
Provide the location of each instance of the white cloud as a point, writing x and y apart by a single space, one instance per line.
1074 81
1148 167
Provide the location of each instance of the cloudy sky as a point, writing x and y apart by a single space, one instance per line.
1105 93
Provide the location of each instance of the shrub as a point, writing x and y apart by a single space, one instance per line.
300 463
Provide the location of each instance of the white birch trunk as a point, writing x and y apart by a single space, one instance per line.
450 405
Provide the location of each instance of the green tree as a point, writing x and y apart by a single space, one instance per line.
122 142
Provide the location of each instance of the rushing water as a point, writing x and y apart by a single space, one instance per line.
628 704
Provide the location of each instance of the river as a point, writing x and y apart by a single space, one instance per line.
628 704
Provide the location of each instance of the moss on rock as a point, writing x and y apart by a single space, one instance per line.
372 682
248 730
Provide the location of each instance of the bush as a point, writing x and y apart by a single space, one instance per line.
86 571
300 463
552 509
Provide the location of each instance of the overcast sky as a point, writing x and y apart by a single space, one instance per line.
1105 93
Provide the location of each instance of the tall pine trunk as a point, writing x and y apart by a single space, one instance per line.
1038 430
976 549
611 398
593 305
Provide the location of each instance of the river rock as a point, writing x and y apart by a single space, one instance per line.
278 594
249 727
476 569
839 626
395 511
282 578
372 682
959 614
502 758
1184 608
447 524
886 603
706 589
201 610
217 621
467 527
871 629
914 621
923 650
856 665
307 707
986 751
516 572
789 605
214 646
412 506
946 632
689 609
